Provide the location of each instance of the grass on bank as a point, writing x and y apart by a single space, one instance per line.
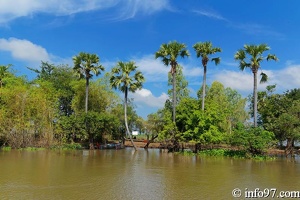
73 146
228 153
5 148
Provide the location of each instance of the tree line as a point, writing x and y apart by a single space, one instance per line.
64 105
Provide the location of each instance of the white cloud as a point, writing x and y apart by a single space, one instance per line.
240 81
130 8
20 8
285 79
30 53
210 13
192 71
10 10
24 50
145 97
153 69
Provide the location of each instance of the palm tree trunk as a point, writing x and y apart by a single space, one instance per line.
255 99
126 123
175 143
86 94
174 96
203 87
91 139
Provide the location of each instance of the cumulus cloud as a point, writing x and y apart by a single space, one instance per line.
240 81
153 69
10 10
145 97
285 79
24 50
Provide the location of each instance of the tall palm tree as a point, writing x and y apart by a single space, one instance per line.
169 54
84 64
126 77
3 73
253 62
204 50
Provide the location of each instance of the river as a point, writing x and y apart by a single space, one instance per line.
145 174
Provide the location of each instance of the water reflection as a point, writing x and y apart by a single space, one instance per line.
145 174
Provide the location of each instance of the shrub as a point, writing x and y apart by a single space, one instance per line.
254 140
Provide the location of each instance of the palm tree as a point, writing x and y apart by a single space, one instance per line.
3 73
125 77
204 50
84 64
169 53
253 62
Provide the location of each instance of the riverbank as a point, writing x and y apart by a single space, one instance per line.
141 144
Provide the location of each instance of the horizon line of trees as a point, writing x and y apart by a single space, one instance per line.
58 108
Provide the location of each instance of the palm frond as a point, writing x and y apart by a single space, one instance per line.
272 57
122 79
216 60
204 49
240 55
264 77
84 63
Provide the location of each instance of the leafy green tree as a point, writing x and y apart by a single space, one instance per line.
279 113
289 123
101 98
28 112
255 140
251 57
3 73
45 73
184 122
182 90
118 112
154 125
228 103
204 50
101 125
236 108
169 54
61 77
125 77
84 64
70 129
224 109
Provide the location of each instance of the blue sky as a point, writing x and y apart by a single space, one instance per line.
133 30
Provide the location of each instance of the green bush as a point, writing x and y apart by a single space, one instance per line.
6 148
225 153
253 140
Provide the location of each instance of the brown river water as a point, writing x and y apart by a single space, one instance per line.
145 174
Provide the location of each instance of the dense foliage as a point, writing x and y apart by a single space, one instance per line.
56 109
50 110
